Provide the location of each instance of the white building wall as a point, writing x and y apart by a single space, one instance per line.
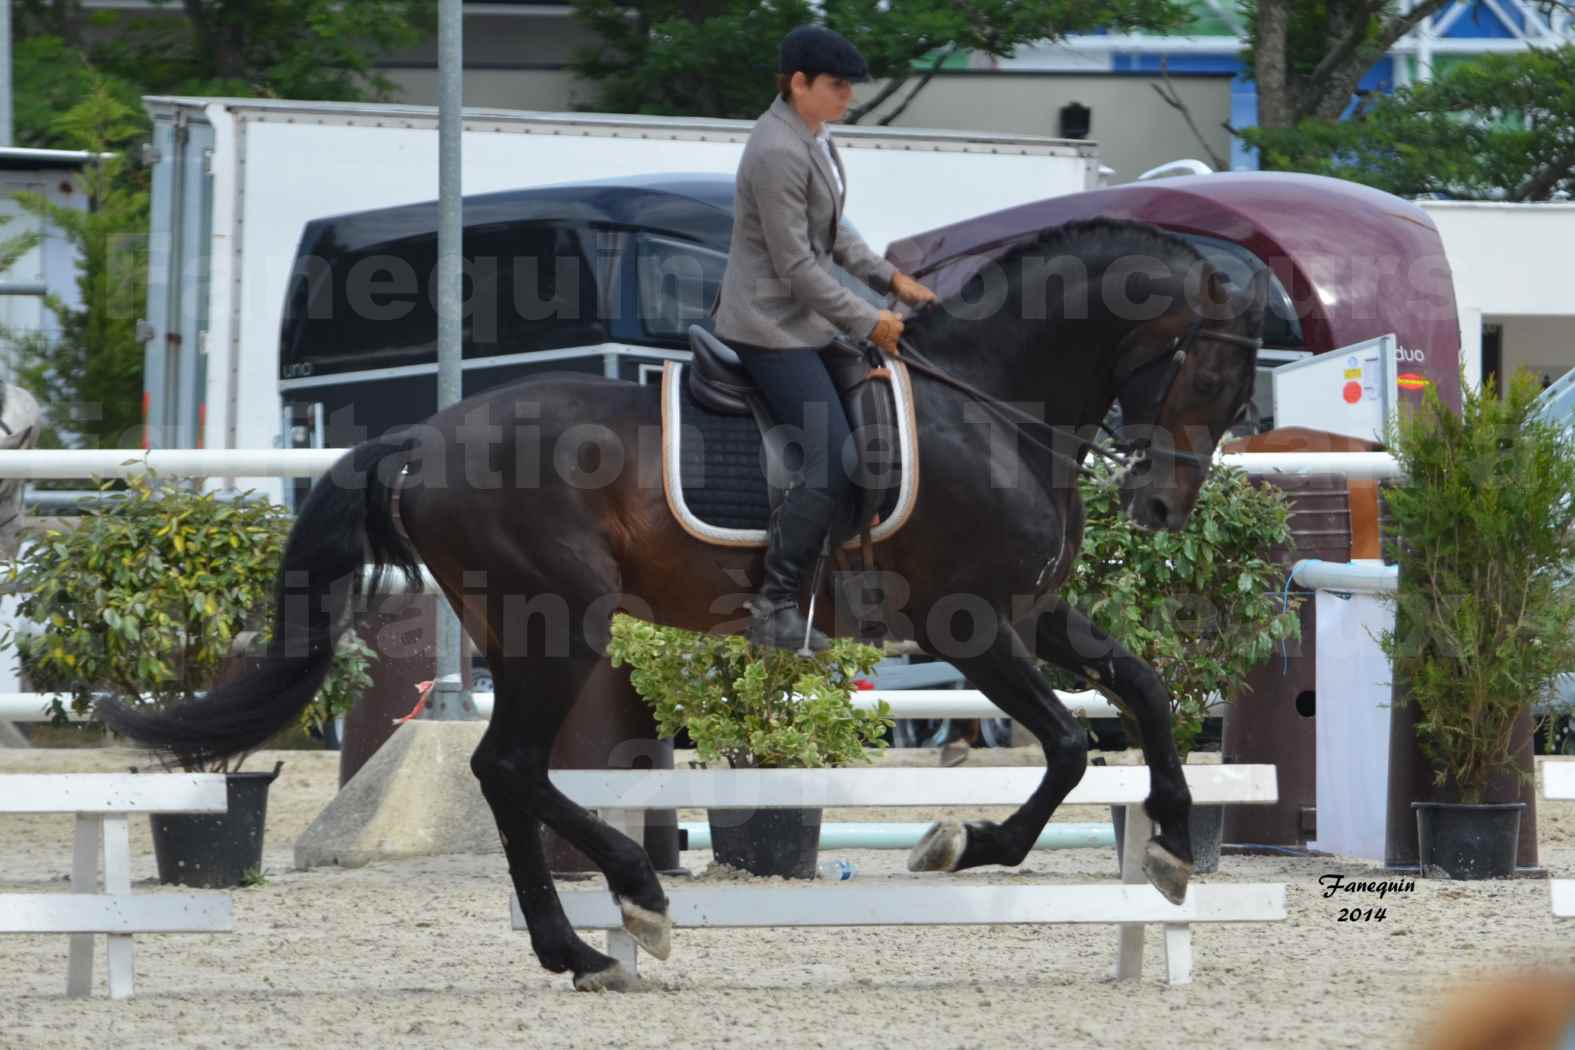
1544 345
544 90
1512 269
1134 129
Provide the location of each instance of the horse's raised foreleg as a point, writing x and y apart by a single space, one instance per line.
532 699
1005 672
1070 640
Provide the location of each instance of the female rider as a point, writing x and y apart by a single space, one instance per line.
781 303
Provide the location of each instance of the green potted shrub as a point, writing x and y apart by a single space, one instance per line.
150 598
749 708
1484 522
1202 606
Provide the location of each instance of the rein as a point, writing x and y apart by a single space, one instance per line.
1120 449
1012 415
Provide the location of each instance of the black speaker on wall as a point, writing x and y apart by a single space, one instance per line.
1076 121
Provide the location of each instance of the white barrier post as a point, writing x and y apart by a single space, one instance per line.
1134 837
1558 782
101 802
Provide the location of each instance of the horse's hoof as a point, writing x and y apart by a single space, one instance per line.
1168 872
651 930
613 979
940 849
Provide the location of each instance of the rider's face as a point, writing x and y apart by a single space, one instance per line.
827 98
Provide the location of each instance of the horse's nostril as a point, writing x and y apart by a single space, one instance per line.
1158 510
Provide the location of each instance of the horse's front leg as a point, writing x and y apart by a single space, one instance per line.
1006 673
1070 640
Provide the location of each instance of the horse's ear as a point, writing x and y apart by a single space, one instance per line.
1258 299
1217 289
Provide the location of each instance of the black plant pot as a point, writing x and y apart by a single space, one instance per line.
783 842
215 850
1205 826
1468 841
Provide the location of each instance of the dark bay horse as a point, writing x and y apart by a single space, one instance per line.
539 508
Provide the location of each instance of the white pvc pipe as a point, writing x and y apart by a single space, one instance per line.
1357 465
881 835
309 462
926 703
168 462
32 707
394 582
905 703
1356 577
968 703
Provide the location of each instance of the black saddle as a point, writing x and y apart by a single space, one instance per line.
719 382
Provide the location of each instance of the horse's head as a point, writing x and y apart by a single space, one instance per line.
1182 379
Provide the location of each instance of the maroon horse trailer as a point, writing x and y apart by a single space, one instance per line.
1350 263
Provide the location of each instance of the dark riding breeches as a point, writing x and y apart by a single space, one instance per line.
802 396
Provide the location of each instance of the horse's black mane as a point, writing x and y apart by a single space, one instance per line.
1100 237
1089 239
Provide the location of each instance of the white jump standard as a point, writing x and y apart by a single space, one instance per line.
102 802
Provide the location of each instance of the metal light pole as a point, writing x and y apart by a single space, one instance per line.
5 74
449 699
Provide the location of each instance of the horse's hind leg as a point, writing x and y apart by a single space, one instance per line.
555 943
1006 674
532 699
1070 640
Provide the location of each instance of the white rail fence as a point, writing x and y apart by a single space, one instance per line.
905 703
101 803
38 464
622 796
1558 782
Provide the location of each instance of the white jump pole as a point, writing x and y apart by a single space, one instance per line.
900 835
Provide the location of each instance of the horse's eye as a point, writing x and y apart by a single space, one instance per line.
1207 384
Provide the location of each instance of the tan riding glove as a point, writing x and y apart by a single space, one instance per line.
886 332
910 291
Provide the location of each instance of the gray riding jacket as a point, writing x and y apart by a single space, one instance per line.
778 290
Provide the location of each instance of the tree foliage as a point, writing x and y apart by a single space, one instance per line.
79 78
51 77
318 49
1485 617
148 598
88 379
1308 56
1499 127
717 58
1201 606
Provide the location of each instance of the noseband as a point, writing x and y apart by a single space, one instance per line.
1174 356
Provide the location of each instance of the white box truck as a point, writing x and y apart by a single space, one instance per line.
236 182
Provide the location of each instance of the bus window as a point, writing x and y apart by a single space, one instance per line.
528 286
678 283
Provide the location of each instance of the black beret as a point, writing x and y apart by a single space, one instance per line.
813 49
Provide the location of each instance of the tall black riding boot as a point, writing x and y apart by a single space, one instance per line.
798 527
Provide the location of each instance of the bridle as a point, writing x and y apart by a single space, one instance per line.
1175 356
1124 451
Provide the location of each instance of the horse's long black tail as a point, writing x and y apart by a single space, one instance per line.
346 521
